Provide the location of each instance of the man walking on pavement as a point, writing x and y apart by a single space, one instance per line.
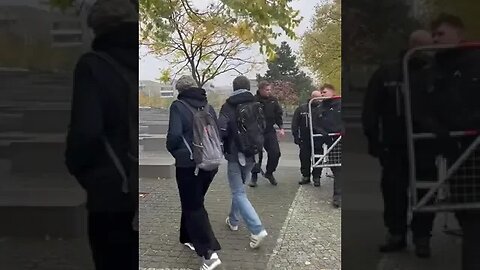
241 126
301 137
273 115
384 126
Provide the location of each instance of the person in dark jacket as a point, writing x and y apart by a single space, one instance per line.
384 126
239 166
301 137
329 122
195 229
100 98
273 116
462 99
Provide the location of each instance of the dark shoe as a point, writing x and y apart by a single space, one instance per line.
316 182
394 243
271 178
253 181
304 181
337 203
422 247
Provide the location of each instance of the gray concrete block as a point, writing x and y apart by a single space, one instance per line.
47 208
31 221
45 121
158 170
154 144
158 129
37 157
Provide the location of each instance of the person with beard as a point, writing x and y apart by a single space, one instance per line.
98 114
301 137
274 115
239 165
384 126
195 228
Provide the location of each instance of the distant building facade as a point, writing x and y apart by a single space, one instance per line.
156 89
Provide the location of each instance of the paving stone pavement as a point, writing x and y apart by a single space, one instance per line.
311 236
160 219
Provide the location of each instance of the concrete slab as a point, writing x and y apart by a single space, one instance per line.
45 120
55 204
158 165
42 155
157 129
154 143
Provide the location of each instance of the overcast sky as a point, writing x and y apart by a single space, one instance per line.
150 66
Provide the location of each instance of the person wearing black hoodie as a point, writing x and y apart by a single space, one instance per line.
100 98
301 137
239 166
273 115
195 229
327 121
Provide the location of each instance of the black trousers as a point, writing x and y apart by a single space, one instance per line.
469 221
305 159
394 186
195 225
272 147
113 242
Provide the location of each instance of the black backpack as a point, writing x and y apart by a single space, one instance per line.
250 128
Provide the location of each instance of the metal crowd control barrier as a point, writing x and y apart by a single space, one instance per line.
456 185
332 152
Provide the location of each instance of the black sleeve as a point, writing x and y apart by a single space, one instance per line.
84 137
295 123
278 115
175 128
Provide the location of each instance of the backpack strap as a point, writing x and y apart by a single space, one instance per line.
116 160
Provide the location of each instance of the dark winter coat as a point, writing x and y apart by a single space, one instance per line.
228 122
100 96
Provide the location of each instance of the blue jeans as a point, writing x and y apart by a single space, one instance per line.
241 206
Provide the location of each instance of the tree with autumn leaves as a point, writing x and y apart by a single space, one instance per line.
321 44
212 41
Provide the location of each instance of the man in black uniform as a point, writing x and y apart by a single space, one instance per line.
273 115
384 126
327 120
301 137
456 88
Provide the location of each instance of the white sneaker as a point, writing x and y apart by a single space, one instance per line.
232 227
256 240
190 246
211 263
